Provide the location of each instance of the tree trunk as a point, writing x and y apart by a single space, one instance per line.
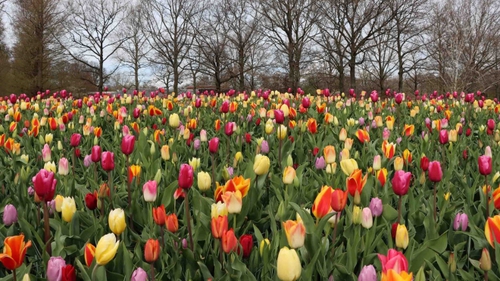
352 66
176 80
241 66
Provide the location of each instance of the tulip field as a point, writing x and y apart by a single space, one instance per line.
259 185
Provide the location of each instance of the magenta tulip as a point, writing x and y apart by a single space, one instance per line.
75 140
45 185
435 172
128 142
186 176
484 163
108 161
213 145
401 182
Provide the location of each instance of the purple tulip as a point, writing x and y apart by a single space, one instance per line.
320 163
54 268
368 273
9 214
264 147
376 206
87 161
197 144
461 222
139 275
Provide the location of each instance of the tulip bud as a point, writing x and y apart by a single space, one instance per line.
9 214
356 215
485 261
366 218
452 263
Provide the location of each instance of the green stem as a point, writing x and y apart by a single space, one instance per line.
47 228
111 191
334 234
188 220
487 198
14 276
400 203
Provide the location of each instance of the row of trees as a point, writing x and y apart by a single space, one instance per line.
83 45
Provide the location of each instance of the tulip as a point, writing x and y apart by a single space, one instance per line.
368 273
106 249
50 166
44 184
402 238
443 136
288 265
435 172
348 166
116 221
382 176
322 204
186 176
393 261
398 98
338 200
329 154
159 215
398 163
46 153
295 233
204 181
139 275
492 230
9 214
68 208
172 223
401 182
151 250
108 161
392 275
376 206
491 124
264 147
377 163
89 253
366 218
219 225
233 201
289 175
14 251
58 203
54 268
485 260
75 140
484 163
279 116
229 241
320 163
173 120
127 146
424 163
461 221
229 128
261 164
213 145
63 169
363 136
355 182
149 190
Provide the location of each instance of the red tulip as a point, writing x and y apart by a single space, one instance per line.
229 241
435 172
306 103
213 145
68 273
225 106
136 113
108 161
95 155
128 142
424 163
484 163
246 242
75 140
394 229
401 182
91 200
197 103
248 138
279 116
464 154
44 184
186 176
398 98
468 132
339 200
491 124
77 153
443 137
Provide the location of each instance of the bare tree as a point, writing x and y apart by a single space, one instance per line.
135 50
37 24
170 31
380 61
358 23
290 25
93 34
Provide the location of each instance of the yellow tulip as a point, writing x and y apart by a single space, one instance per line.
48 138
50 166
218 209
165 152
194 162
116 221
68 208
173 120
288 265
261 164
106 249
269 126
281 132
264 244
398 163
402 238
289 175
204 181
348 166
59 201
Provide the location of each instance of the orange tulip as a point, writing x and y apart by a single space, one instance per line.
135 126
191 124
97 131
363 136
151 250
339 200
295 233
328 118
496 198
14 250
393 275
321 206
52 123
159 215
408 130
382 176
492 230
355 182
312 125
407 156
388 149
229 241
172 223
219 225
321 108
233 107
329 153
89 253
217 125
237 183
389 122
